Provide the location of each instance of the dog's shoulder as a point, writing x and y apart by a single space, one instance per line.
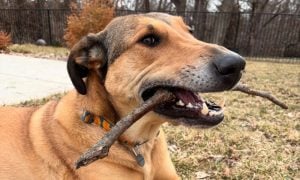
13 115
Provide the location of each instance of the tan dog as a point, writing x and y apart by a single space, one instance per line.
114 71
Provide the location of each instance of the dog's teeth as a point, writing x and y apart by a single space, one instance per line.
179 103
189 105
215 113
204 109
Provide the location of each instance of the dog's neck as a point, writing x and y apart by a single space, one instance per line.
97 102
144 129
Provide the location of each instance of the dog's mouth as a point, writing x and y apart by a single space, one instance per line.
187 108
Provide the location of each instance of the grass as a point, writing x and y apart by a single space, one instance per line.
257 139
39 51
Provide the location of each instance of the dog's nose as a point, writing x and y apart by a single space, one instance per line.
229 64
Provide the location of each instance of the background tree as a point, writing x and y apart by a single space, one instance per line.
231 31
180 6
92 18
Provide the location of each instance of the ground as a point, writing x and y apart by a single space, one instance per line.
257 139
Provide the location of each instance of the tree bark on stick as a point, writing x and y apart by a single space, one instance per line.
101 149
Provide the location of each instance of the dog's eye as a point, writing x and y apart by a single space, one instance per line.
150 40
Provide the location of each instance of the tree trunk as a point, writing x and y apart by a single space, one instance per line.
159 5
39 19
257 6
232 30
136 5
202 17
180 6
147 5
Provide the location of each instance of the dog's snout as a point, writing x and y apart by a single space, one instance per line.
229 64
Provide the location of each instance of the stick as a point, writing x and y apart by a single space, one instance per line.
100 150
245 89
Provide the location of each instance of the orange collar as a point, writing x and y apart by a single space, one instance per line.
100 121
105 124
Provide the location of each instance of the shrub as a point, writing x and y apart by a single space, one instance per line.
92 18
5 40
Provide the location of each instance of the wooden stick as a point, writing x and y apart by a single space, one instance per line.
245 89
101 149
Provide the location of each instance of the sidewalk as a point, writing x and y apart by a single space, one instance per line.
24 78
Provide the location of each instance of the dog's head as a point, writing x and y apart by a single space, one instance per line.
136 55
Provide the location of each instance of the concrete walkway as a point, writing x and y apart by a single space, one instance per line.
24 78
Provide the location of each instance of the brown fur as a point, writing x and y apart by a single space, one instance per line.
44 143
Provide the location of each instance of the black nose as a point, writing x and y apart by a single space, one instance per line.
229 64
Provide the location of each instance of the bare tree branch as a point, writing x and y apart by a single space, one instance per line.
100 150
245 89
276 13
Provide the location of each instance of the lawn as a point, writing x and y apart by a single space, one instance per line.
257 139
32 50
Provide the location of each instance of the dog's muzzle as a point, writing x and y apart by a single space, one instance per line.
189 108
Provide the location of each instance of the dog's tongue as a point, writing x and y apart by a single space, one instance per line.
187 96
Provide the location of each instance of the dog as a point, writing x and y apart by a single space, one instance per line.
113 72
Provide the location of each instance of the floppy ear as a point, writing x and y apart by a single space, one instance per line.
88 53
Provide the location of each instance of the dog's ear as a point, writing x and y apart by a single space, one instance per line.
89 53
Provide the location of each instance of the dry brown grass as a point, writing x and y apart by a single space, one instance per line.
39 51
257 139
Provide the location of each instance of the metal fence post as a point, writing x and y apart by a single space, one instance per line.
49 26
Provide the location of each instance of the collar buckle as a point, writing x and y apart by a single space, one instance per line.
138 156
